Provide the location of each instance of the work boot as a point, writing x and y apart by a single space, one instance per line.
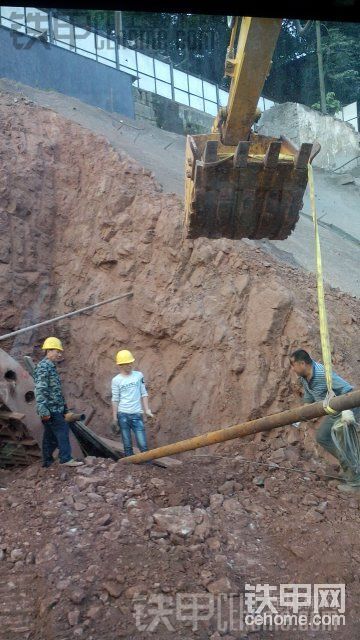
72 463
47 464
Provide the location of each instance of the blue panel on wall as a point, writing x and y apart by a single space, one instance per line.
45 66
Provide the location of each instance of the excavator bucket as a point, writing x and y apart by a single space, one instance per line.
254 190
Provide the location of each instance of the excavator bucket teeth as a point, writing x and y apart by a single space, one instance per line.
254 190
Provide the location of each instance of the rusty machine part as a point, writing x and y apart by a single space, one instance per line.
17 447
254 190
74 417
239 184
20 427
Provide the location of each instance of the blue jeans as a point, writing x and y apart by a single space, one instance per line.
56 436
132 422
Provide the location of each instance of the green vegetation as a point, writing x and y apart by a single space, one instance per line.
332 105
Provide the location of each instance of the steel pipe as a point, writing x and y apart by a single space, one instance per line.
299 414
65 315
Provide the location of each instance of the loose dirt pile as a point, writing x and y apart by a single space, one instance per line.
83 551
212 325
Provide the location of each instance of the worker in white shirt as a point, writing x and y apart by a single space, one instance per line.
129 402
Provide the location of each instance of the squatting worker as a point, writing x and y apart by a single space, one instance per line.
51 406
129 400
313 379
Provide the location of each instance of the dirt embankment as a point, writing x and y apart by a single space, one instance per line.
211 323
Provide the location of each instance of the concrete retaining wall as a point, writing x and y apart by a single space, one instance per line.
339 140
169 115
46 66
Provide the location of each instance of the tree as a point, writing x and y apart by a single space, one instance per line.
342 60
294 75
332 104
194 43
89 18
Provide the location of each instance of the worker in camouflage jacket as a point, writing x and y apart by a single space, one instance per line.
51 406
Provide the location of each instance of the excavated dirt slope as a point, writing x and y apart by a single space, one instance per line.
211 325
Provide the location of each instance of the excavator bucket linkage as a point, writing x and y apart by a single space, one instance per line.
254 190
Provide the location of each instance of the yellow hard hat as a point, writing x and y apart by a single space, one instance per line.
52 343
124 357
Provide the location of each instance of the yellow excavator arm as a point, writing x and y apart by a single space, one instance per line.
248 69
239 184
